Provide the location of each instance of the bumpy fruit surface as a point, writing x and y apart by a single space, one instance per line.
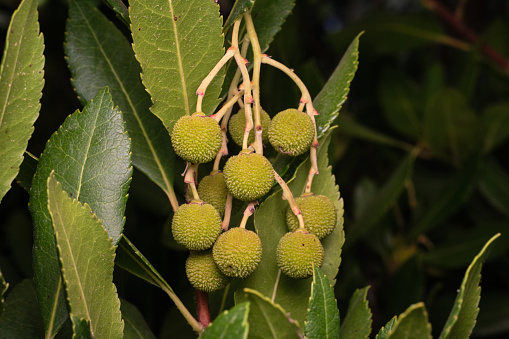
203 273
196 138
291 132
297 252
249 176
237 252
237 125
212 189
318 212
196 225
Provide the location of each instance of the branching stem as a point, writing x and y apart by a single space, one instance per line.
288 196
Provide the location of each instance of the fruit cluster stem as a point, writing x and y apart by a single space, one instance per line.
288 196
227 211
247 213
190 179
257 61
202 306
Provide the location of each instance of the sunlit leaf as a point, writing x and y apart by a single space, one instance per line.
384 331
230 324
413 323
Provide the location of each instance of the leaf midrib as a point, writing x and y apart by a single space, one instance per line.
133 108
18 45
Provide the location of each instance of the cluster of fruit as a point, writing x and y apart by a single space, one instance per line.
201 225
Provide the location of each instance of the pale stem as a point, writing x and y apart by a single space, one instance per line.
222 152
247 213
275 286
200 92
227 211
288 196
229 104
197 327
189 179
257 61
313 170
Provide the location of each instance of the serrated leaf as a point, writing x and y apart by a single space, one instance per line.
99 55
120 9
270 223
177 44
3 288
383 200
450 198
450 126
230 324
21 83
413 323
401 101
86 254
239 7
132 260
90 156
268 319
27 170
22 318
494 185
81 328
333 95
268 17
495 122
323 315
357 323
135 325
384 331
463 315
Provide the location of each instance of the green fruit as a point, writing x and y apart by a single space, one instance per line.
249 176
318 212
291 132
196 225
203 273
237 125
196 138
297 252
212 190
237 252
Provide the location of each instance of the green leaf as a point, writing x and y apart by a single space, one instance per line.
268 319
268 17
493 315
495 123
357 323
383 200
270 223
90 156
384 331
132 260
27 170
463 315
3 288
401 102
333 95
99 55
135 325
494 185
323 314
450 126
239 7
450 198
21 82
350 127
22 318
87 255
81 328
120 9
230 324
413 323
177 44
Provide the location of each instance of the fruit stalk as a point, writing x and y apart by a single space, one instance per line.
288 196
190 177
202 307
247 213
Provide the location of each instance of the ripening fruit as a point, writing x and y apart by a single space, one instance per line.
249 176
237 125
297 252
318 212
237 252
291 132
196 225
196 138
203 273
212 189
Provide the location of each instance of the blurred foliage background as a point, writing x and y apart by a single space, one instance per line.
420 154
